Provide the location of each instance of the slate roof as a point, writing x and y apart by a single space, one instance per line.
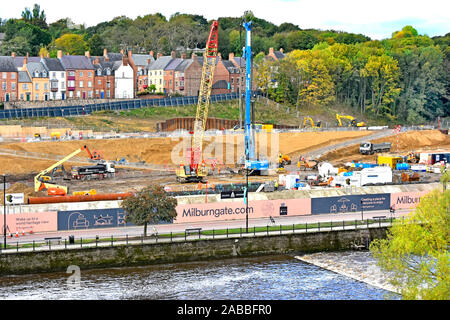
7 64
77 63
160 63
200 60
34 67
230 66
173 64
240 61
141 59
184 65
19 60
103 66
24 77
279 54
53 64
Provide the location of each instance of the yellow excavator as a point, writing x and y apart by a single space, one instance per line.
348 121
311 121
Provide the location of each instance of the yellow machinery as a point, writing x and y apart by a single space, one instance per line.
85 193
267 127
283 159
196 170
311 121
55 136
389 160
348 121
304 164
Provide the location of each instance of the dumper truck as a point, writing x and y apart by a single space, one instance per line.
371 148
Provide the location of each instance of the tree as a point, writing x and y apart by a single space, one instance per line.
96 45
35 16
415 251
71 43
150 205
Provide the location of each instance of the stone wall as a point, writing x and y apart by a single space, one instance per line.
158 253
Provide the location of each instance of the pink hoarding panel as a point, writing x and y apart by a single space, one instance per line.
406 200
236 210
36 222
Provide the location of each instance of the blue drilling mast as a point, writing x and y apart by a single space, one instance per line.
251 161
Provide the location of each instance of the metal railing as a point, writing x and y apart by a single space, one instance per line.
211 234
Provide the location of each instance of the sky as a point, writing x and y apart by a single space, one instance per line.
376 18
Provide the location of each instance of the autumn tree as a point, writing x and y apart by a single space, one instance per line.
150 205
72 44
415 252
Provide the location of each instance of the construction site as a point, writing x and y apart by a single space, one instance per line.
199 160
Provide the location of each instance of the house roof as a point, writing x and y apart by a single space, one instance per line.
240 61
184 65
24 77
103 67
141 59
160 63
200 60
77 63
53 64
19 60
7 64
173 64
39 68
279 54
231 67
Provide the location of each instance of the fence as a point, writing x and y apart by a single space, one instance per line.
194 235
78 110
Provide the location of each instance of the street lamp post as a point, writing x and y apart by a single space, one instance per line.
362 211
4 211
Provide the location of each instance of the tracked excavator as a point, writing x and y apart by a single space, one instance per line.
348 121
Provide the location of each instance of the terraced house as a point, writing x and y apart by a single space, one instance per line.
180 79
104 79
8 79
57 78
156 71
40 81
169 76
80 75
25 87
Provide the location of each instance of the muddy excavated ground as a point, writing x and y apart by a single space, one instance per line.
158 152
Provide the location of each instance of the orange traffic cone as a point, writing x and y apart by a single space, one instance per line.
17 234
23 232
31 231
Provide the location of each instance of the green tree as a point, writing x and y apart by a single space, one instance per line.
96 45
72 44
151 205
415 252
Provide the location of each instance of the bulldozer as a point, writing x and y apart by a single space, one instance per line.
304 164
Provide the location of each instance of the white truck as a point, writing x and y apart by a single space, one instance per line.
371 148
377 175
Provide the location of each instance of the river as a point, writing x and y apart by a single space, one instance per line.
280 277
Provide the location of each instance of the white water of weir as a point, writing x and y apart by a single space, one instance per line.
358 265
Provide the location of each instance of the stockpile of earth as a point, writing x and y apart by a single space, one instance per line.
19 187
416 141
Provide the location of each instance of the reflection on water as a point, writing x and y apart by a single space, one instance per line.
261 278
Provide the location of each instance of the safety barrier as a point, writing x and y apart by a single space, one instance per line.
78 110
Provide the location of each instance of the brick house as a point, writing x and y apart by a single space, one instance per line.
169 76
156 71
193 76
9 79
25 87
142 63
180 81
80 75
276 55
104 80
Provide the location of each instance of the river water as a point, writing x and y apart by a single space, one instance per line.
281 277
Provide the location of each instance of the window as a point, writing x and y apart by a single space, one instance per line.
90 94
108 94
99 82
44 74
89 84
70 94
123 74
89 74
72 73
54 74
108 72
36 86
13 86
96 92
150 73
62 75
99 72
81 73
13 75
21 96
160 81
63 85
81 84
4 75
108 84
36 74
78 94
25 86
36 97
45 86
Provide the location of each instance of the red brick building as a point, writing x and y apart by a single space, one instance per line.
8 79
80 75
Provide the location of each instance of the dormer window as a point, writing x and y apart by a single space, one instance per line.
108 72
36 74
44 74
99 72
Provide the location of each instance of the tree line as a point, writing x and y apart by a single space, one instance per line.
401 79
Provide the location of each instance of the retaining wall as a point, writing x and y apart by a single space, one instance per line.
156 253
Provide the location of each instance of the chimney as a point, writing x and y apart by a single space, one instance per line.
183 55
231 56
25 60
151 53
125 61
105 53
48 55
149 60
121 51
271 51
220 56
173 54
159 55
42 55
130 54
28 54
281 50
87 54
59 54
13 54
97 60
193 56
